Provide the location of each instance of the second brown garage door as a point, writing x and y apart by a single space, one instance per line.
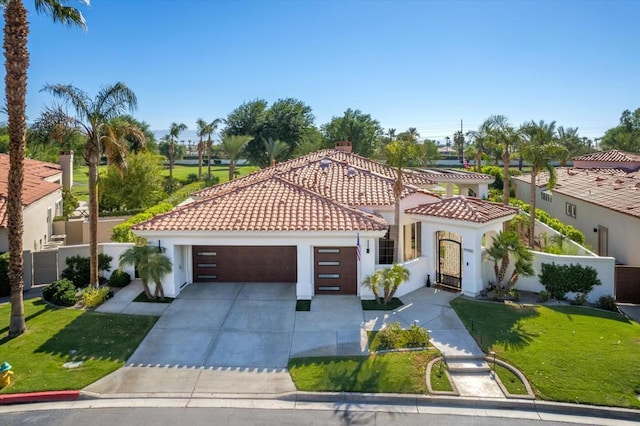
335 270
263 264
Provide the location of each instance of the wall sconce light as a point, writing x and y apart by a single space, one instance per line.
367 246
595 229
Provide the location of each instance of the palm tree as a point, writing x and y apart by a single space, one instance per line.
152 265
505 245
203 128
480 139
274 148
540 148
117 133
174 132
211 128
93 116
233 146
16 29
504 137
392 134
399 155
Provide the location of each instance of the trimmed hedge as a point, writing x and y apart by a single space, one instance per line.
553 223
119 278
61 293
562 279
78 269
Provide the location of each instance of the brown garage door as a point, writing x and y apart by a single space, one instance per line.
335 270
258 264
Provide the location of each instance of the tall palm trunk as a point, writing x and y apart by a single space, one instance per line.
398 187
506 159
209 157
200 155
479 160
93 158
172 152
16 55
232 168
532 213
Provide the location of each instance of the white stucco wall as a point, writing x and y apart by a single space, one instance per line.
178 248
37 227
605 266
624 230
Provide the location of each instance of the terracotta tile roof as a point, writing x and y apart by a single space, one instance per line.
34 186
443 175
269 205
312 161
612 155
464 208
607 188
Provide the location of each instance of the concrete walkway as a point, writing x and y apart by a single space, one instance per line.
225 339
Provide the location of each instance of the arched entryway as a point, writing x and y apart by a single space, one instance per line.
449 260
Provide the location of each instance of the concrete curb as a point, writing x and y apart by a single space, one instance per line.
51 396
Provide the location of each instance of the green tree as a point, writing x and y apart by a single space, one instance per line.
459 143
152 266
388 280
139 186
399 154
361 129
69 202
480 140
287 120
174 132
202 129
503 137
428 153
274 149
540 148
93 116
142 139
232 146
211 129
505 245
16 30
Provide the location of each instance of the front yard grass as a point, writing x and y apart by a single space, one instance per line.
568 353
397 372
439 379
102 341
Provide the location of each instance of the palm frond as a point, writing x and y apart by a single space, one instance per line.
58 10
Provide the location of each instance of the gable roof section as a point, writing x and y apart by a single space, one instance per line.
34 187
463 208
607 188
269 205
612 155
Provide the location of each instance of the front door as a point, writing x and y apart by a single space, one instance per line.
603 241
449 263
335 270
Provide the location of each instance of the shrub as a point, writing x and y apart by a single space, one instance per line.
580 299
390 337
192 177
417 337
5 288
544 296
119 278
92 297
61 293
122 232
78 268
608 303
559 280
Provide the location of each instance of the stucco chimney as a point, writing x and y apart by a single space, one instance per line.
66 164
344 146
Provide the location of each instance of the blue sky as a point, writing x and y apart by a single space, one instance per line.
424 64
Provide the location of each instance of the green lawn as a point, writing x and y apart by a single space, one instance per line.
102 341
397 372
439 379
568 353
180 172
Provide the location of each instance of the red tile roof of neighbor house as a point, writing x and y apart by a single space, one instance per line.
607 188
464 208
34 186
441 175
317 192
612 155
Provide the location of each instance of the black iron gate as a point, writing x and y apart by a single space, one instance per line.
449 267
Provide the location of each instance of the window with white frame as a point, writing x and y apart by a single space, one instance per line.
546 196
571 210
412 241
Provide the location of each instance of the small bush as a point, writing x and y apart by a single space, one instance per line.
61 293
559 280
78 269
608 303
417 337
544 296
119 278
580 299
390 337
192 177
5 288
92 297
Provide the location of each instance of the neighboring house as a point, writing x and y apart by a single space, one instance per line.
42 201
600 196
323 222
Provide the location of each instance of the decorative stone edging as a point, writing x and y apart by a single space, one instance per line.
523 379
454 392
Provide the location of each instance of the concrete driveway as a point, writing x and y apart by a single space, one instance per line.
257 326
